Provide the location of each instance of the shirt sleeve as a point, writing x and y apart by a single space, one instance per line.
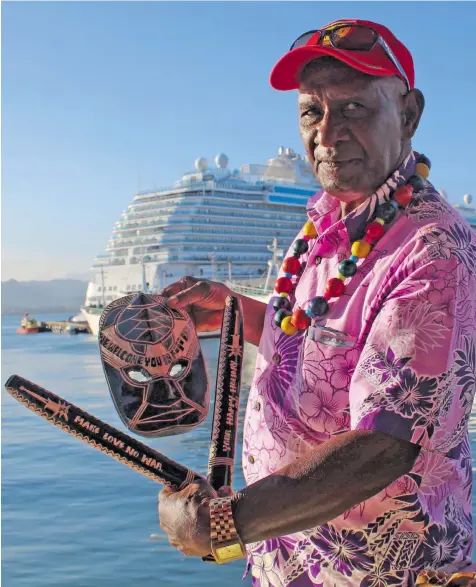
415 378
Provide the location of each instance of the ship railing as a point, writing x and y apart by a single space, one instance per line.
251 214
188 186
247 290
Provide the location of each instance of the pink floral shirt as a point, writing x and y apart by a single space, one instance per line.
396 353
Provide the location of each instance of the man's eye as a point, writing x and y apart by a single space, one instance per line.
311 113
354 110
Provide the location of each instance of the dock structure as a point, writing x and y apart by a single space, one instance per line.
65 326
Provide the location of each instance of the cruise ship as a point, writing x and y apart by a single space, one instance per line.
215 222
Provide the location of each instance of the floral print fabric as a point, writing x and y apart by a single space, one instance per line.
396 353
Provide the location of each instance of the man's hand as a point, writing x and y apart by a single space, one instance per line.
202 299
185 517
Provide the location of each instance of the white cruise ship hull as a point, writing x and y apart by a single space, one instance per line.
93 315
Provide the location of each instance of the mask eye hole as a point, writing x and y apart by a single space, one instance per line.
139 375
178 368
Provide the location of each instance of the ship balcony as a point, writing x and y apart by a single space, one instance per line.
198 186
205 232
261 219
221 203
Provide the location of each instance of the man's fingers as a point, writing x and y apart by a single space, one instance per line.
178 286
197 292
166 492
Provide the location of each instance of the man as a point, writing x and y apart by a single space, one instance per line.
356 450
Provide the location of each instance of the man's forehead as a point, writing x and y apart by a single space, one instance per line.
344 90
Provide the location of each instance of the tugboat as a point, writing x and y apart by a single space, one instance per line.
28 325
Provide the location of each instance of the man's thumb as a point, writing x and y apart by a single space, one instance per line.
185 297
225 491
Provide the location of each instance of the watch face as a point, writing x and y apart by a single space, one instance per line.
229 553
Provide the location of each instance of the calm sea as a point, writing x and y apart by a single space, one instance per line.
72 517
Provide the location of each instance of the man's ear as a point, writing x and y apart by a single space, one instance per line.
413 105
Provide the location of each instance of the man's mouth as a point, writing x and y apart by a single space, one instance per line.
338 163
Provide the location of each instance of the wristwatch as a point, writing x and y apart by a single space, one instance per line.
225 541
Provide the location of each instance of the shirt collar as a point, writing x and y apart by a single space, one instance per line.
324 210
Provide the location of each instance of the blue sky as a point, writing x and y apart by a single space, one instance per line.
99 99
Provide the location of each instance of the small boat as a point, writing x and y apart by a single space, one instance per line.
28 325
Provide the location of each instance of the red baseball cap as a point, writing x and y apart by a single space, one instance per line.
376 61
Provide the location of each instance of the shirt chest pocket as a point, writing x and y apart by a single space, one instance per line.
328 359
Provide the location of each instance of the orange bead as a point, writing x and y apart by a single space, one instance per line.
423 170
361 249
309 230
403 195
300 319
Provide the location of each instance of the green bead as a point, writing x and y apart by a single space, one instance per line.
386 211
318 306
422 159
280 316
280 303
300 246
347 268
417 182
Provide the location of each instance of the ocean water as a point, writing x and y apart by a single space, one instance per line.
73 517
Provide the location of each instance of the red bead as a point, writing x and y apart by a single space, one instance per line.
284 285
368 239
300 320
326 295
374 231
291 265
306 237
335 287
403 195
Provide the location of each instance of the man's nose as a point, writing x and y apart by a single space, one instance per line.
331 130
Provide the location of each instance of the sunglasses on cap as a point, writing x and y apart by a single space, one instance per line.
350 38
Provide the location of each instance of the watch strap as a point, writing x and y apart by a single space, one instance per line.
223 533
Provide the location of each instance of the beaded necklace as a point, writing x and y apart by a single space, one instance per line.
300 319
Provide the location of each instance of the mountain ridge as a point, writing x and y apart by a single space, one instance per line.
42 296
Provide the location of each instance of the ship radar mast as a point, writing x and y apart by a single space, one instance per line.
275 262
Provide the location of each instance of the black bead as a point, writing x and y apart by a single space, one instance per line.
386 212
300 246
318 306
417 182
425 160
280 315
347 268
280 303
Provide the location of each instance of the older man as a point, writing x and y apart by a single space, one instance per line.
356 450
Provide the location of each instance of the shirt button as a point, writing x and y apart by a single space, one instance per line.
251 459
277 358
257 406
317 260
